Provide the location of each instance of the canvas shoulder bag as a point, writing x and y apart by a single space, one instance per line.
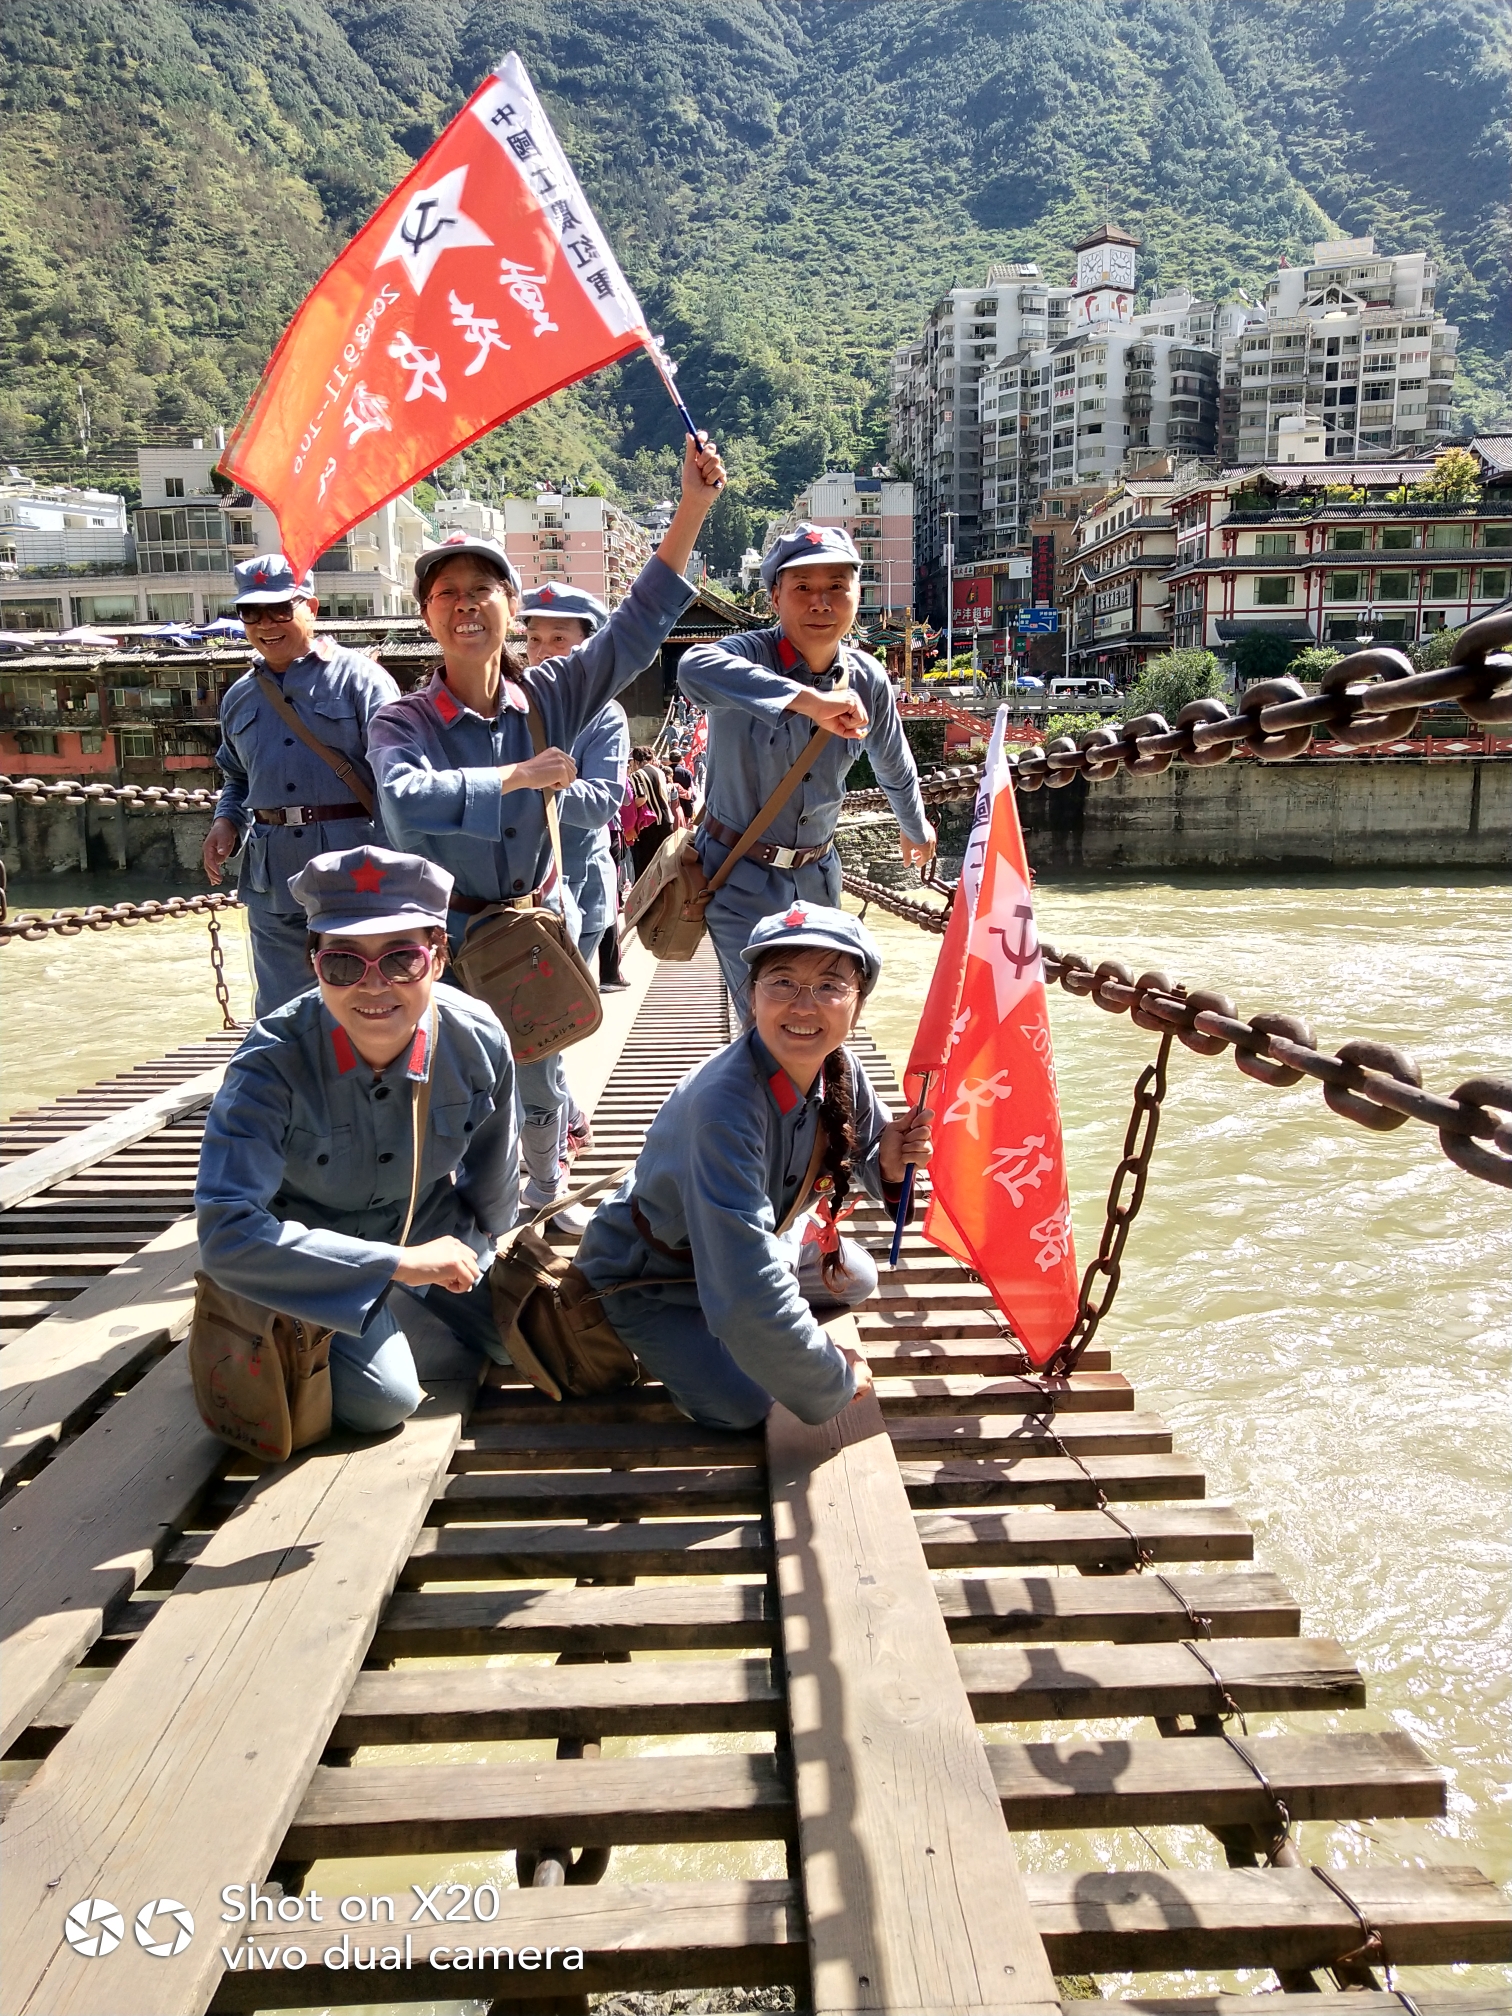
344 767
667 904
262 1380
524 963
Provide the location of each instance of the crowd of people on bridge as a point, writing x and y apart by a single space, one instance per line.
379 1129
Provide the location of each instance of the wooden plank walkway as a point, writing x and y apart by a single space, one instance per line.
847 1606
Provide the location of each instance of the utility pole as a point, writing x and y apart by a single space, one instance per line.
949 592
908 651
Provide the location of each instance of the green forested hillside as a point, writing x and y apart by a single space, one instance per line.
789 183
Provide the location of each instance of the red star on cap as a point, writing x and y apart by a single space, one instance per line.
547 594
455 539
815 538
368 878
796 916
261 574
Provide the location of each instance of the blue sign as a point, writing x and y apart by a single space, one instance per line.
1037 622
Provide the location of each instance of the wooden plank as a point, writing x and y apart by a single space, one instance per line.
1146 1920
1084 1392
46 1167
1008 1435
657 1936
1052 1480
914 1897
631 1494
1083 1539
1008 1684
54 1375
454 1624
467 1553
185 1772
601 1446
1084 1781
86 1532
1132 1609
436 1809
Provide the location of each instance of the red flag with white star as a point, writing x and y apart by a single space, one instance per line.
999 1199
481 286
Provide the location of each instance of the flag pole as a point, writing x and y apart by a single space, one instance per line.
905 1201
666 370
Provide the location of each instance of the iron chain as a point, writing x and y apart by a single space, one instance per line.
218 968
33 927
135 797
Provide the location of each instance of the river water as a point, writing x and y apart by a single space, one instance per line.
1323 1314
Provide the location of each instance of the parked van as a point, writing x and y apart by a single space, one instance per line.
1095 692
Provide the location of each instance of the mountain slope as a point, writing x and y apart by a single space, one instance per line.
789 183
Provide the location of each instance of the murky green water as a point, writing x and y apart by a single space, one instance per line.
1323 1314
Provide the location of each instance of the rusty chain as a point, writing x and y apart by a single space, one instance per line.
134 797
1099 1282
1377 1085
1367 698
218 968
33 927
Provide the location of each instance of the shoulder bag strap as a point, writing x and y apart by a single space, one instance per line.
538 742
806 1188
345 769
802 764
419 1115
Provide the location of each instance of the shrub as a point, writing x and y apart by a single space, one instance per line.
1168 682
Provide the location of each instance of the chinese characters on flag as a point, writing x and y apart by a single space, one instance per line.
999 1199
481 286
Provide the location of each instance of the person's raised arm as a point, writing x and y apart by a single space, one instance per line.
703 475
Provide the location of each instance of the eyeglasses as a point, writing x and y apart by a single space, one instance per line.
401 963
824 993
267 612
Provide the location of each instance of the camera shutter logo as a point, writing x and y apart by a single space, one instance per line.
183 1928
94 1928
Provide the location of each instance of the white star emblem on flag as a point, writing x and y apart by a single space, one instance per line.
433 222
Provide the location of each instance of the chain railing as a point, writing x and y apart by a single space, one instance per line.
32 926
1377 1085
134 797
1366 699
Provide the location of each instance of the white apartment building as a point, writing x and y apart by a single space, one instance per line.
59 525
936 397
1353 342
1120 606
878 513
1120 388
582 542
185 538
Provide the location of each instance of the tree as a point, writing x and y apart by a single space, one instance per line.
1312 661
1454 479
1263 654
1433 653
1169 681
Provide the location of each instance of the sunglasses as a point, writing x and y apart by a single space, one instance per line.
266 612
401 963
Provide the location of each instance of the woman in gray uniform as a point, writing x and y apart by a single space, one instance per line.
725 1318
307 1168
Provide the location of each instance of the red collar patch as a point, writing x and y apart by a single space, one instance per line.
787 657
419 1056
346 1056
442 701
784 1091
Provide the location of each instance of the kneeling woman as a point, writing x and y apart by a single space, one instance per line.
725 1318
314 1195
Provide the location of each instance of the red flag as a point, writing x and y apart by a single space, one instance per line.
481 286
999 1199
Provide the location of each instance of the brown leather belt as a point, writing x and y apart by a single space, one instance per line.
309 815
637 1217
473 906
768 856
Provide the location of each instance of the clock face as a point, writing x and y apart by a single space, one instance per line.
1107 265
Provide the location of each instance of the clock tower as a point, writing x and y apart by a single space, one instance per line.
1104 280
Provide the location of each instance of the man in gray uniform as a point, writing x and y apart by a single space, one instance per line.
281 803
766 692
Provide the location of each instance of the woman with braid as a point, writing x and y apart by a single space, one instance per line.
709 1228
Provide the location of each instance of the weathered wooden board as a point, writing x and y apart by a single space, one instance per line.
1142 1920
51 1377
86 1532
914 1898
1085 1781
627 1494
1052 1480
467 1553
185 1772
46 1167
1134 1609
441 1624
1004 1436
1083 1539
1008 1683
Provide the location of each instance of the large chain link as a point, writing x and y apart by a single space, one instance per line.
33 927
135 797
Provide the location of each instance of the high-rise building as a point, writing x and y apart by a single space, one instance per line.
878 513
582 542
1353 341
